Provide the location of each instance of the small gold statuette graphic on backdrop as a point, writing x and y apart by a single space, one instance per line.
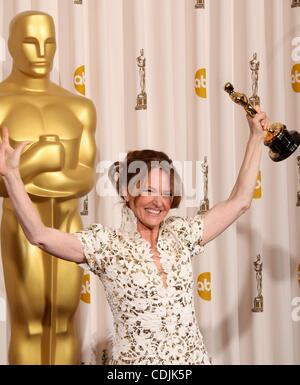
85 210
282 143
204 204
255 101
254 66
259 300
298 193
295 3
200 4
142 97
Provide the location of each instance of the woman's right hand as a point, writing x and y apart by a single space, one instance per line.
42 156
10 157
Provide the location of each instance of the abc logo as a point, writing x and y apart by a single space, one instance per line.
257 192
204 286
296 309
85 295
200 83
296 50
296 77
79 79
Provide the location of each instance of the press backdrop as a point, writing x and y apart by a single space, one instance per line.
190 55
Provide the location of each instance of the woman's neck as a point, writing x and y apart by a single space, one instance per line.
149 234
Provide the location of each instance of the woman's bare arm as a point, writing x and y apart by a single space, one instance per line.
225 213
54 242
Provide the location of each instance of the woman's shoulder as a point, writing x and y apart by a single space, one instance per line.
104 238
98 231
176 222
185 225
189 230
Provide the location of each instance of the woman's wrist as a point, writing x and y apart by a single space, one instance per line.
11 175
256 138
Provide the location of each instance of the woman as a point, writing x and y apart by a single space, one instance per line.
145 266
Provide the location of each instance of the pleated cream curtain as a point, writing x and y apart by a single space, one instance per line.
190 55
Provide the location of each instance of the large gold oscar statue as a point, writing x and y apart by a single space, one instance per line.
43 292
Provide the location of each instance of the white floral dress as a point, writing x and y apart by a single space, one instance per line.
152 324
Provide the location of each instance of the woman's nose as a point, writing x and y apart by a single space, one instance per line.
158 200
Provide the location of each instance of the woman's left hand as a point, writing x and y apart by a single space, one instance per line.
260 124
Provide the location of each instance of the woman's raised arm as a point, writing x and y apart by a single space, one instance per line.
62 245
225 213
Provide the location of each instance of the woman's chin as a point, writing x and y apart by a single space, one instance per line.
151 221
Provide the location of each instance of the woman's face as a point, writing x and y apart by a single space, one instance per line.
155 199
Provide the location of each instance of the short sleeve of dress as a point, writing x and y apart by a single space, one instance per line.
95 241
195 236
190 232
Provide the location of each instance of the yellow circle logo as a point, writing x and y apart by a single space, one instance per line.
85 295
258 191
204 286
296 77
200 83
79 80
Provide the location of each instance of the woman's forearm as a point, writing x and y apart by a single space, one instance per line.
60 244
245 185
24 209
223 214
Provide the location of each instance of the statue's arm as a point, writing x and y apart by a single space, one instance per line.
77 182
32 162
87 150
81 180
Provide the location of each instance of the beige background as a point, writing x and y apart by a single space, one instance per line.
106 36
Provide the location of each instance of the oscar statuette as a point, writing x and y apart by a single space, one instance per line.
204 204
142 96
254 66
43 291
258 300
85 210
282 143
295 3
200 4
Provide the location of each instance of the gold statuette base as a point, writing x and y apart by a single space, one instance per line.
204 206
295 3
258 304
200 4
141 102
